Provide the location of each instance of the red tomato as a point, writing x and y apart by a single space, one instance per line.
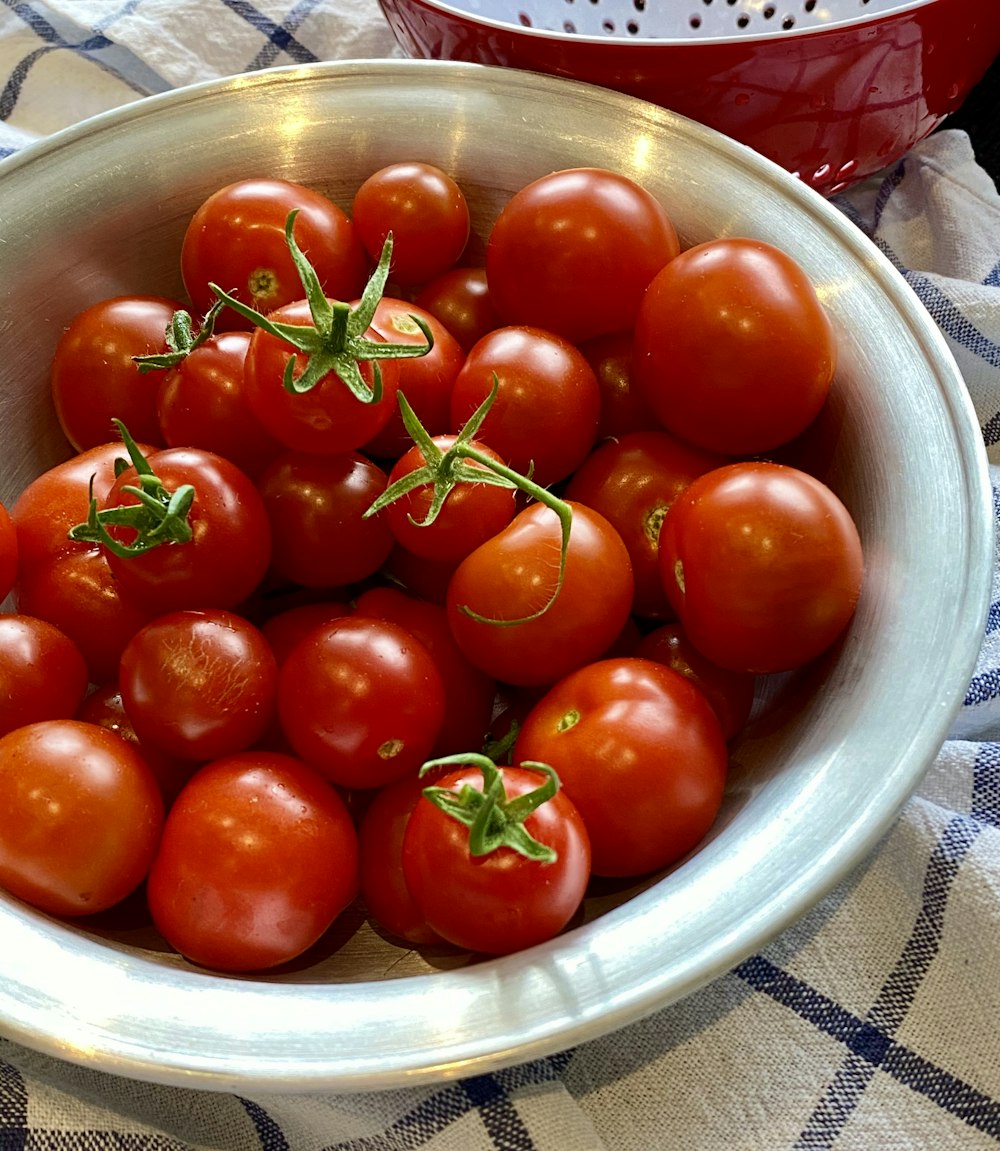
460 299
81 816
380 842
640 753
468 692
573 252
56 500
94 378
731 693
623 407
423 577
361 699
230 546
426 380
515 574
470 514
316 505
104 707
423 208
733 348
199 684
236 239
284 629
202 404
43 674
763 565
77 591
328 417
547 404
258 858
501 901
8 552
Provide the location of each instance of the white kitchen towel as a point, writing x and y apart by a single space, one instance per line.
874 1021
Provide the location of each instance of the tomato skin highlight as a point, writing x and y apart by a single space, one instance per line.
501 902
257 859
763 565
595 238
733 350
80 816
641 754
361 699
515 573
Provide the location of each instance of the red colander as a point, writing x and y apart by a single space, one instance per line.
832 90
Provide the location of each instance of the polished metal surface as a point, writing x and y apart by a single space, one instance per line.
100 209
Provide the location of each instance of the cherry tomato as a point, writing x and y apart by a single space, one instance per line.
419 575
230 546
426 380
202 404
361 699
8 552
632 480
258 858
77 591
731 693
94 378
471 513
380 843
623 407
640 753
733 348
763 565
315 505
515 575
236 239
423 208
43 674
199 684
285 628
328 417
468 692
56 500
574 251
547 406
80 816
460 299
498 902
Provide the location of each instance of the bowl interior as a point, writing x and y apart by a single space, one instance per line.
100 209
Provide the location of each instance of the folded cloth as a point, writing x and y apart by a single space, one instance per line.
874 1020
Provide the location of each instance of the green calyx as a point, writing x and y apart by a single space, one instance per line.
180 339
160 516
336 341
443 470
493 819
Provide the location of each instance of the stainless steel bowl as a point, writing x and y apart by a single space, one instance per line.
100 209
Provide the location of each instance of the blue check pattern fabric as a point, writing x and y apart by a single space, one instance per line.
874 1022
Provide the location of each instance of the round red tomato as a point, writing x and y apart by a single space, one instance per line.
94 378
43 674
623 407
236 239
202 404
640 753
512 618
496 900
361 699
316 505
733 348
460 299
228 546
574 251
424 209
632 480
544 416
763 565
258 858
285 628
80 816
199 684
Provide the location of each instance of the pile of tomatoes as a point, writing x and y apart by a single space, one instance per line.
382 571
